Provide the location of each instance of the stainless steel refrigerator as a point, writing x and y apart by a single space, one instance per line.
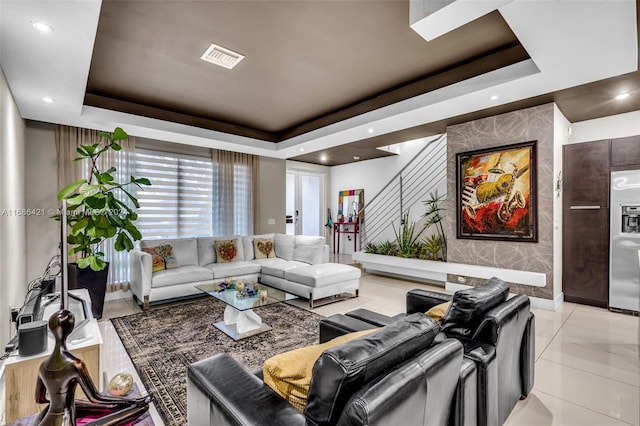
624 264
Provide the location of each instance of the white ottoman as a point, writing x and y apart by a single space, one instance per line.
324 280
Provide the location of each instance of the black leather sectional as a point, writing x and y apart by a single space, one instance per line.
469 370
497 335
407 373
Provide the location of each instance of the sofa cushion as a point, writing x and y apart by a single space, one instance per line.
322 274
308 249
263 248
162 257
279 269
270 261
184 249
232 269
284 246
207 249
342 370
469 306
247 244
289 373
181 275
227 250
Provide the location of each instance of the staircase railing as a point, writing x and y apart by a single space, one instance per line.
410 186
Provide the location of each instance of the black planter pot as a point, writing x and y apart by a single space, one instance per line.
94 282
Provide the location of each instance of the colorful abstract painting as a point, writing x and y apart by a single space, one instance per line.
496 196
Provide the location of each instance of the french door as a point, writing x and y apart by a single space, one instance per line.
305 195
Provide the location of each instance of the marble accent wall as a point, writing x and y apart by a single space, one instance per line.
519 126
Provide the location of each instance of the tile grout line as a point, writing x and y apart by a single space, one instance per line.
555 334
589 372
582 406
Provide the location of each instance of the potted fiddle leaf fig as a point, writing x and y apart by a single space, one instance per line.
96 214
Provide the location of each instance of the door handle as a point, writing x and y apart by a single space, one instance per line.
585 207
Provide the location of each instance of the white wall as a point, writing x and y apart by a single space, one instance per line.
372 176
12 201
43 233
615 126
560 137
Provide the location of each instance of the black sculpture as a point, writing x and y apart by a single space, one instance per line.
62 372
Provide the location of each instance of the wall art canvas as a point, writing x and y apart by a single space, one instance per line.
496 193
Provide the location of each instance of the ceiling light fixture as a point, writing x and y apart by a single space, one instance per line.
42 27
623 95
323 158
370 130
356 157
48 99
301 149
494 98
221 56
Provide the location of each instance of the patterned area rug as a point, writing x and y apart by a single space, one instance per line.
163 341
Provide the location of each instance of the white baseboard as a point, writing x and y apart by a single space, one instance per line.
120 294
547 304
536 302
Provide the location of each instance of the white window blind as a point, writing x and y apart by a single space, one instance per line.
179 202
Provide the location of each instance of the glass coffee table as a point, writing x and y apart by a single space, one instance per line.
239 319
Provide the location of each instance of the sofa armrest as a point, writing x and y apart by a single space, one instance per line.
141 272
527 356
422 300
379 320
338 325
485 357
222 392
325 254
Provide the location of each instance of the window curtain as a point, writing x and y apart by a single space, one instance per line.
235 183
68 139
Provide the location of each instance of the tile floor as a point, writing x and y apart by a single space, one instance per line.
587 359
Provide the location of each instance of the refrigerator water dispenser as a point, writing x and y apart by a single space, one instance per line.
631 219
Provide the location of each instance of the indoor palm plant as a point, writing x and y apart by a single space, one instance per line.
95 214
433 216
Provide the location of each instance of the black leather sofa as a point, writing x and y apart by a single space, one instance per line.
497 335
407 373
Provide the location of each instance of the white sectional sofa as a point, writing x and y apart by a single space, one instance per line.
300 266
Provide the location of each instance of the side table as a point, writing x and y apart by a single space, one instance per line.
343 228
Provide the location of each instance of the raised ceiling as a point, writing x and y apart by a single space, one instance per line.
307 64
578 54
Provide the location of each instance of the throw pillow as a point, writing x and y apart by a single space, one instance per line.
439 311
289 373
263 248
162 257
226 251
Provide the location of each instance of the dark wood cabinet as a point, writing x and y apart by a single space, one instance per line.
585 256
625 151
586 174
585 245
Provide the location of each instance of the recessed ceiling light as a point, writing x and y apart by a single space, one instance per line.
301 149
494 98
370 130
323 158
48 100
356 157
623 95
42 27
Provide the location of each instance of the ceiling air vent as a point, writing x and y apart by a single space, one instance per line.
220 56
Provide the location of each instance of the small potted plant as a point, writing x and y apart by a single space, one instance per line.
95 214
